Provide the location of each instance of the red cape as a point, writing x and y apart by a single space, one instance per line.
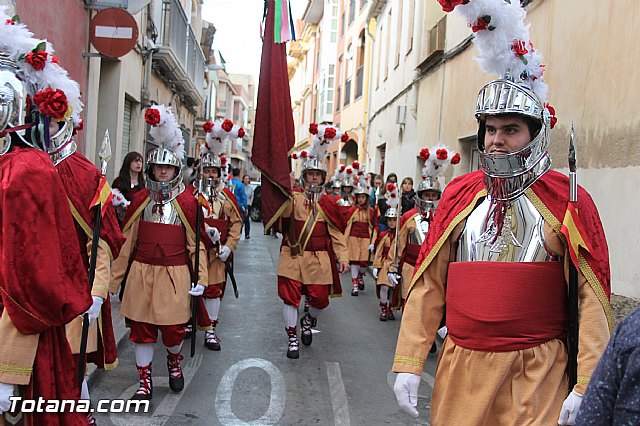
227 193
332 211
43 282
81 179
550 195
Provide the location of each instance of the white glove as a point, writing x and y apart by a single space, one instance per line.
375 273
371 248
214 234
6 391
406 390
94 310
197 290
393 279
224 253
570 408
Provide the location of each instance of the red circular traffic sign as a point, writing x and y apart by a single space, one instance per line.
113 32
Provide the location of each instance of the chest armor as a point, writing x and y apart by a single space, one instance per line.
164 213
520 240
346 202
216 204
419 233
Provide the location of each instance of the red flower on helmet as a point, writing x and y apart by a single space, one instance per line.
52 103
424 154
442 154
223 160
37 59
393 195
349 170
294 156
207 127
152 116
54 59
344 138
519 49
10 22
391 187
482 24
552 113
455 159
329 133
304 154
313 128
227 125
449 5
241 132
342 168
355 165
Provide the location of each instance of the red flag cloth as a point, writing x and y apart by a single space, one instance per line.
274 134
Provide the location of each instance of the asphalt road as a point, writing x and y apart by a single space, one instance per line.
343 378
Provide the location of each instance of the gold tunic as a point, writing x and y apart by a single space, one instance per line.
217 271
359 247
525 387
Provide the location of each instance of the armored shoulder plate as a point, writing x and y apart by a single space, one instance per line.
161 213
419 233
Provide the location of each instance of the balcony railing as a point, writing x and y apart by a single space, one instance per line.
179 58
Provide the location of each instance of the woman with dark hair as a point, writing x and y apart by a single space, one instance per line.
382 203
129 181
408 194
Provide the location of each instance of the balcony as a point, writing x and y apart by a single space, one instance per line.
179 59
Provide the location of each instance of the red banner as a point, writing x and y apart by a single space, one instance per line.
274 132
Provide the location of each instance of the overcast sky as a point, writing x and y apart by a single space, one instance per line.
237 36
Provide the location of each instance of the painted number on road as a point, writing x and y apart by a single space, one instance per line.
276 404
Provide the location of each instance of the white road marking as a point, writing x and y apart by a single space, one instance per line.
225 389
166 407
338 395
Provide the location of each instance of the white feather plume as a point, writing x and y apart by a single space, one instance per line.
506 26
17 41
393 196
167 132
433 166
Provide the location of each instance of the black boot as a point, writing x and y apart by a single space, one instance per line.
176 379
211 340
146 384
293 349
306 323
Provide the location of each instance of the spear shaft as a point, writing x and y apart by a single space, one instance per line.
573 332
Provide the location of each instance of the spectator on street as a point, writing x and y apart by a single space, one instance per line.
248 190
378 183
408 194
238 190
613 395
129 181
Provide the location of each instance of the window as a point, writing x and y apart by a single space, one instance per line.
398 33
436 37
349 75
329 88
342 25
387 47
338 98
352 11
334 23
126 127
379 56
360 65
412 17
347 92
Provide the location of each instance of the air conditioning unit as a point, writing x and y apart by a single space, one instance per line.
401 113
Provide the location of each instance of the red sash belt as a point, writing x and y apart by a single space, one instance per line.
319 239
359 230
222 225
410 254
505 306
161 244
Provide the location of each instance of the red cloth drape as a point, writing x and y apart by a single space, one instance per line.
274 134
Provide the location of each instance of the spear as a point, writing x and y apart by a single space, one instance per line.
105 156
196 266
572 338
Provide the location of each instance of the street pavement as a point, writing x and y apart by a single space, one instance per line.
343 378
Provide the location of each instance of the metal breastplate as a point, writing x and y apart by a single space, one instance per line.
521 239
420 232
346 202
216 203
161 213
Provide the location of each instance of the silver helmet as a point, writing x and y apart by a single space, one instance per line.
210 159
12 101
312 164
391 213
163 156
429 183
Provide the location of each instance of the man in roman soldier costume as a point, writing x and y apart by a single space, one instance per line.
44 284
503 244
85 187
414 224
387 239
223 221
361 231
346 196
313 249
156 264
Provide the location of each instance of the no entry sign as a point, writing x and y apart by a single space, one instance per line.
113 32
